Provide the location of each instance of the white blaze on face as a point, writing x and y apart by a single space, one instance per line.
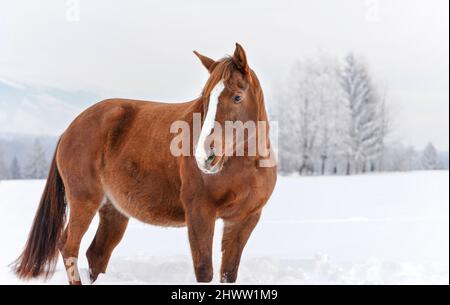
201 155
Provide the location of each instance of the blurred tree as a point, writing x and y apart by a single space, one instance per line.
429 159
4 173
37 166
368 119
15 171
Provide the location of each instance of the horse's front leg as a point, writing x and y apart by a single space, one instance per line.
235 236
200 217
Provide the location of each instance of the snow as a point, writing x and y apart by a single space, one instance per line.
382 228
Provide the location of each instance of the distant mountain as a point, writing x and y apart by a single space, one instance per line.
39 110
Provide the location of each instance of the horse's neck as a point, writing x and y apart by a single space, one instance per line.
195 106
263 117
263 114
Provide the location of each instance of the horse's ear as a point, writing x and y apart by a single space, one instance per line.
206 61
240 58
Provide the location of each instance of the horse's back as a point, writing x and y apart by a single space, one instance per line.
102 129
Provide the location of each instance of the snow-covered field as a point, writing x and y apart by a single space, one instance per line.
384 228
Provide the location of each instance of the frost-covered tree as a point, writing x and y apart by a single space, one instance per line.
37 167
366 128
307 117
14 170
296 119
429 159
397 157
384 130
4 173
332 119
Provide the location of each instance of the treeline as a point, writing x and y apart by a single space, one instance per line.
334 119
394 158
35 165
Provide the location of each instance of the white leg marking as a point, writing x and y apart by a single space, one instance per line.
72 269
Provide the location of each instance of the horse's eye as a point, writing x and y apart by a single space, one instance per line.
237 98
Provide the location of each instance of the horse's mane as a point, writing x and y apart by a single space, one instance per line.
220 70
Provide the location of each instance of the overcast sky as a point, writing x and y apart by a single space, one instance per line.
143 49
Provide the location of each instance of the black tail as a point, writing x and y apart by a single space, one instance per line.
40 254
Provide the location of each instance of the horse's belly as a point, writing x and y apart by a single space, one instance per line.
149 207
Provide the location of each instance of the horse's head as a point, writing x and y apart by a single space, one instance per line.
232 104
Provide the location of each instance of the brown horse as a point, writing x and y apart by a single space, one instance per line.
115 159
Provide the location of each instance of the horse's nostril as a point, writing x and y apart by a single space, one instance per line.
211 157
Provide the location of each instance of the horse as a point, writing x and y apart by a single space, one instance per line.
114 159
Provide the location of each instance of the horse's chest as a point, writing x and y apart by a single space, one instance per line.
242 195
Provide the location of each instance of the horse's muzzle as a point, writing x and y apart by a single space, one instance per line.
213 164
